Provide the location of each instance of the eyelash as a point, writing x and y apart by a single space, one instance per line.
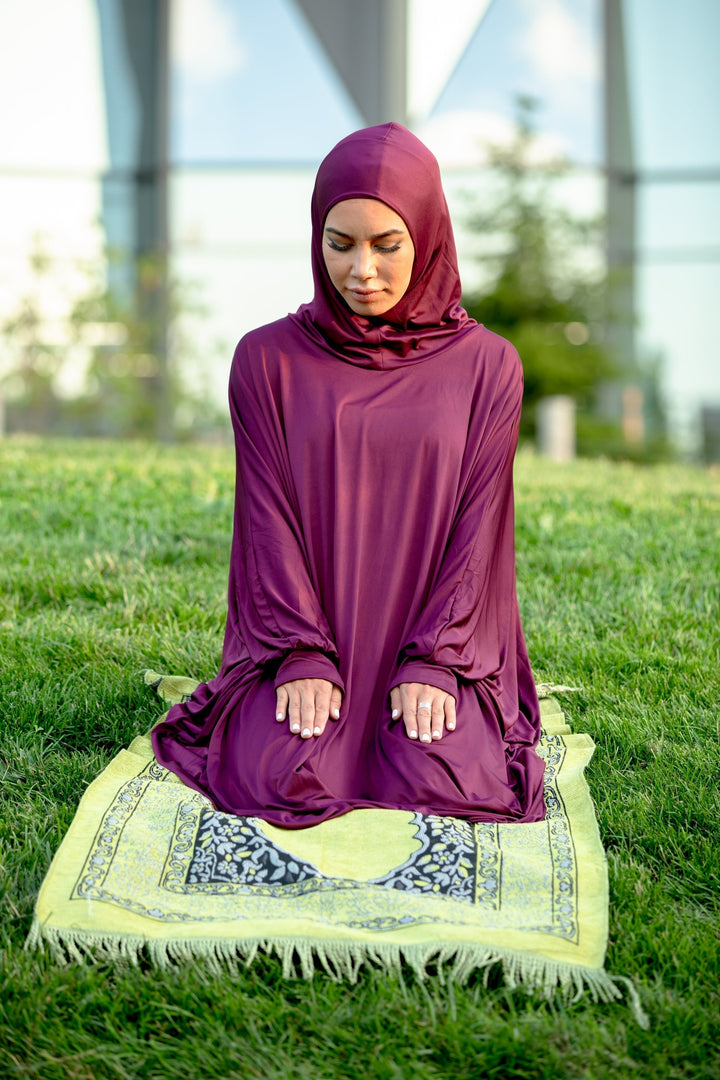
346 247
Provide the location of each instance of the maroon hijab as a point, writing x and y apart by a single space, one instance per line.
390 164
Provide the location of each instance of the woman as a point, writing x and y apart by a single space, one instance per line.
373 652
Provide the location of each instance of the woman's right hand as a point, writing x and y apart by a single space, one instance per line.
307 704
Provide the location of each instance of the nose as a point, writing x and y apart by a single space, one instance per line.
364 262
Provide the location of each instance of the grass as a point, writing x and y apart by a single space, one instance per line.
114 559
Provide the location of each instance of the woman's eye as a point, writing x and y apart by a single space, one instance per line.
337 247
387 250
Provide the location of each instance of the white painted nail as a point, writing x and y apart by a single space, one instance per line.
395 714
296 728
279 716
413 734
336 714
425 737
306 733
316 731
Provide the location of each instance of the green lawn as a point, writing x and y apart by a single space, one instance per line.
114 560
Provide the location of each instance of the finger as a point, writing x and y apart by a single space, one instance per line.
395 702
437 718
335 702
409 713
307 711
450 717
424 715
294 713
322 711
281 703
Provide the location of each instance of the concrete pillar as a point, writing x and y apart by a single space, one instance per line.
555 427
633 417
710 426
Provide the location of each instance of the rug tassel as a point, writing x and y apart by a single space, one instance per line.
634 1000
345 960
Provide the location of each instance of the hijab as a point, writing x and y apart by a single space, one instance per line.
387 162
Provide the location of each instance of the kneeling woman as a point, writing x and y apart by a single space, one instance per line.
373 653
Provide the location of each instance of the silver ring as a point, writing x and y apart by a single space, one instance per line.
424 705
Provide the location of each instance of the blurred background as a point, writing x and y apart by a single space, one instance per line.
157 159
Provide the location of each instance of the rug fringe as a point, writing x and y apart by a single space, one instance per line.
301 957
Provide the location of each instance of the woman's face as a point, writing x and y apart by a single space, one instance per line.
369 255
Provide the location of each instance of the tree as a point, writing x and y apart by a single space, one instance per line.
108 342
31 354
546 292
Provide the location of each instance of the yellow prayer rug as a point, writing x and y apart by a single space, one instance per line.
149 868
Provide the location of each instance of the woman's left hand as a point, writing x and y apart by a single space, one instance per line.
426 711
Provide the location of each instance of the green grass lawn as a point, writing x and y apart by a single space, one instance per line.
114 560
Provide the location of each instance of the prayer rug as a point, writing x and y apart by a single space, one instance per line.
149 868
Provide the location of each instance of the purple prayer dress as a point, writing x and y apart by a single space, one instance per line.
373 541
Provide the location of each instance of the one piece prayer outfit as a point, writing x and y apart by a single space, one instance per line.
373 541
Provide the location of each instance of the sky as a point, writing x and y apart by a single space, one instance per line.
252 90
248 52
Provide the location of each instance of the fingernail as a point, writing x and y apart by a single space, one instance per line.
395 714
279 716
451 727
306 733
336 714
317 731
425 737
413 734
436 734
296 728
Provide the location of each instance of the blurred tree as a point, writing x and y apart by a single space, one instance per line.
546 292
31 354
120 335
109 343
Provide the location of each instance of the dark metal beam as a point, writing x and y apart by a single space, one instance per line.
135 52
621 185
367 44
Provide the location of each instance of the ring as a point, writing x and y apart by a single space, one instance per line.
424 705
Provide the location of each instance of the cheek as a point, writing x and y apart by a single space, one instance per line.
333 265
404 273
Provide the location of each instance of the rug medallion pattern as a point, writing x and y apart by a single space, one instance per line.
206 866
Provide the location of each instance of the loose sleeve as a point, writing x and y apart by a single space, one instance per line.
469 626
274 613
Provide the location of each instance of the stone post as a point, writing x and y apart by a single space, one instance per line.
555 427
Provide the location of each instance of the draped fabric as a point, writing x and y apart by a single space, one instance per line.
373 541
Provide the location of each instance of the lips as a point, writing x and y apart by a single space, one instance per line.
365 296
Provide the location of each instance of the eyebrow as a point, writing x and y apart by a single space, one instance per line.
377 236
